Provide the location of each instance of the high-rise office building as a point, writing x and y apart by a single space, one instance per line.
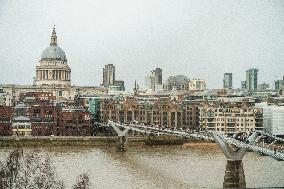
278 85
108 75
251 79
154 79
228 81
158 76
243 85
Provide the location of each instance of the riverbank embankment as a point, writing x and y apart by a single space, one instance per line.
91 141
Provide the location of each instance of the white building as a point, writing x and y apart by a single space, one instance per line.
273 118
197 84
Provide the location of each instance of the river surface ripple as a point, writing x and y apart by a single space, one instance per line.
157 167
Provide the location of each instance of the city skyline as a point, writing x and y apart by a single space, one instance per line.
178 49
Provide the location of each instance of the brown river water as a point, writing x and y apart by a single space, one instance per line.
157 167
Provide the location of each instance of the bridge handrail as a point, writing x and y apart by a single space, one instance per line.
240 144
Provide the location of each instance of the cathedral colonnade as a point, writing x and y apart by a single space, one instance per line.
63 75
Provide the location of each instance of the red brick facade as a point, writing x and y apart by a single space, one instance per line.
44 120
5 120
74 123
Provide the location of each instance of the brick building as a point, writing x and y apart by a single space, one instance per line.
44 119
5 120
74 122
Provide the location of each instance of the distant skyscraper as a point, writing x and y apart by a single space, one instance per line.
154 79
251 79
228 81
243 85
108 75
158 76
278 85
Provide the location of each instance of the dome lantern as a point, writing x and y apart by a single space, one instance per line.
53 41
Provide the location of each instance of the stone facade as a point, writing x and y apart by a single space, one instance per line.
230 117
157 111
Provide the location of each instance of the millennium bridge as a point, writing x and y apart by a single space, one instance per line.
234 148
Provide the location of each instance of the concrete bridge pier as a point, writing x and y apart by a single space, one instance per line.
234 173
121 136
121 143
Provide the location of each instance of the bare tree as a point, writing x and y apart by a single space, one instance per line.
83 182
31 171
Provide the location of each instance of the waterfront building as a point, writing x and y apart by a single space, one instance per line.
21 123
74 121
251 79
228 81
179 82
273 118
5 120
164 111
263 87
230 117
44 119
197 85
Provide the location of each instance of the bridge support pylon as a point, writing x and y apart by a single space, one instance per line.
121 136
234 173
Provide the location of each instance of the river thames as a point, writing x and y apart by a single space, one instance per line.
157 167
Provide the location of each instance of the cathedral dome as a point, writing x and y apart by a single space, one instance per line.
53 52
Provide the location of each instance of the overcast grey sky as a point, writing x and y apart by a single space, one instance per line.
199 39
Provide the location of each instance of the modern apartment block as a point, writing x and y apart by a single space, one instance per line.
230 117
